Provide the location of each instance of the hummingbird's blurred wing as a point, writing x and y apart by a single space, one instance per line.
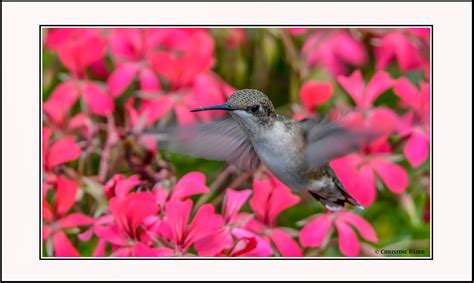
326 140
222 140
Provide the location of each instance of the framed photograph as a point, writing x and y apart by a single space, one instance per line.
210 141
287 104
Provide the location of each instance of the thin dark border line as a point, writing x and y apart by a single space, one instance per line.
41 26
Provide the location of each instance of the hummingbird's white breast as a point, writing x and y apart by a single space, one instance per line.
280 149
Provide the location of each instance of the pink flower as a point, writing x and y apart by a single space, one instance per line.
120 186
334 50
132 50
422 33
228 238
84 125
357 172
270 198
180 234
313 93
66 94
396 45
415 124
77 48
191 184
56 218
207 89
318 230
189 54
242 247
381 119
61 151
125 227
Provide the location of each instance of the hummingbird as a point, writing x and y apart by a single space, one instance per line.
295 152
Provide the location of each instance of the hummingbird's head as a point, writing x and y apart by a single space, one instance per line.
250 106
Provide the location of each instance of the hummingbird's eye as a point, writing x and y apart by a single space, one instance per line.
255 108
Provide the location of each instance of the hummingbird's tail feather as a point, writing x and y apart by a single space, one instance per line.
336 204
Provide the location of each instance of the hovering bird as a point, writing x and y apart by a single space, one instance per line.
295 152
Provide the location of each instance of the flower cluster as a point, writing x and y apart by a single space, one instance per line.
108 190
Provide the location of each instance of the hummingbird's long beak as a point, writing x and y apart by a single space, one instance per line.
224 106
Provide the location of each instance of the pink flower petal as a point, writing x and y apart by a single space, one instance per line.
62 151
382 120
212 244
109 187
47 212
99 69
364 227
286 245
407 92
261 192
205 223
157 108
353 120
45 139
393 175
121 78
66 191
270 198
177 214
79 48
142 250
46 232
397 45
416 149
281 199
74 220
349 49
123 187
252 224
233 202
164 252
148 80
184 115
314 93
354 86
314 233
99 102
110 233
83 122
360 183
166 65
61 101
126 44
190 184
62 246
378 84
131 210
243 246
99 250
334 50
348 242
263 247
